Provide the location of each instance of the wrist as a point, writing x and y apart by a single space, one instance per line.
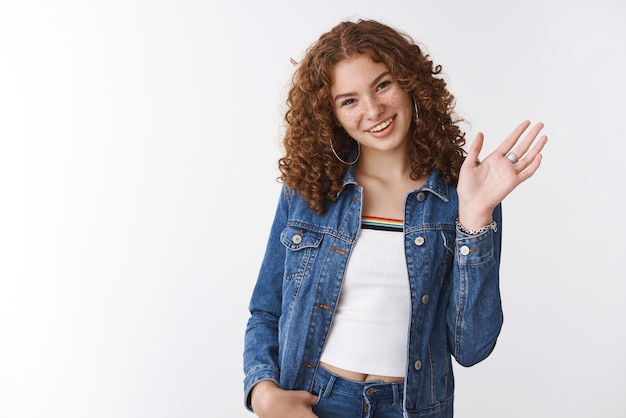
259 394
490 226
474 217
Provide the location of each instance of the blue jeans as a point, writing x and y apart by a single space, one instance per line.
340 397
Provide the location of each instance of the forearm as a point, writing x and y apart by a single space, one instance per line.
260 358
475 311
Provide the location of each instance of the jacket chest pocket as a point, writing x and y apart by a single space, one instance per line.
301 246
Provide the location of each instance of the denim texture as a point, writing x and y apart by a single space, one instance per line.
454 282
339 397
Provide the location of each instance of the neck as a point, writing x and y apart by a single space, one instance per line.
384 164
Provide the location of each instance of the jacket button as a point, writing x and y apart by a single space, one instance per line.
417 365
465 250
297 239
420 197
419 241
425 299
369 391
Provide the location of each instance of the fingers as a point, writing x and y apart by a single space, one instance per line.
525 144
310 399
530 169
510 140
529 157
475 148
527 151
522 149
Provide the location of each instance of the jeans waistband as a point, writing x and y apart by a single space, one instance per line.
372 390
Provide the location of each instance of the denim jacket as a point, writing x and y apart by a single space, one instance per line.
454 282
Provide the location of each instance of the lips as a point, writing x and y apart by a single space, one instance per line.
381 126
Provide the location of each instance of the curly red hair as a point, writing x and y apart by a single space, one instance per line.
435 142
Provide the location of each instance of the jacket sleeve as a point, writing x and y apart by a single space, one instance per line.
260 357
475 309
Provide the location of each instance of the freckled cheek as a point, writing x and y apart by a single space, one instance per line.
396 101
399 98
349 120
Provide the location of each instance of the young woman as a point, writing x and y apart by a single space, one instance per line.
383 259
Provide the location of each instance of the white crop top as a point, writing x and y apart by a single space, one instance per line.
369 332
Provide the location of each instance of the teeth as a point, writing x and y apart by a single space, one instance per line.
381 126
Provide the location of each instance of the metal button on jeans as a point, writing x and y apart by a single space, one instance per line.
425 299
417 365
465 250
369 391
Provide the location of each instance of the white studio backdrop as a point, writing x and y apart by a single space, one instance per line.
138 148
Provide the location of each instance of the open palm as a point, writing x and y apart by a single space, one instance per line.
482 185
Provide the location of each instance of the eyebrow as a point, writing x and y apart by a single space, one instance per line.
372 84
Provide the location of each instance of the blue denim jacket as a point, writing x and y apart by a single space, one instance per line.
454 282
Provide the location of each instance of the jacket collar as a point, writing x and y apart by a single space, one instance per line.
437 186
434 183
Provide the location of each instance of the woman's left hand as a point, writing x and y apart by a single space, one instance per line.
483 185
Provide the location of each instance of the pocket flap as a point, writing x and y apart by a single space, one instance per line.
296 238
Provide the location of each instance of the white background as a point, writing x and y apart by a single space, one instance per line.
138 148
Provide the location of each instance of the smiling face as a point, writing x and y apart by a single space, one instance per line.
370 104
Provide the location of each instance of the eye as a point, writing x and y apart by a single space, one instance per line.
347 102
383 85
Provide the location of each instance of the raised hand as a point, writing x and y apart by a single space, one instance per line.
482 185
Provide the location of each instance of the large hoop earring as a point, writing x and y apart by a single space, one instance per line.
343 161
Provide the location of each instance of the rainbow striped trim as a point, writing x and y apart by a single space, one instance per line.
382 224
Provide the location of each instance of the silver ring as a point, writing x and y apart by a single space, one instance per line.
512 157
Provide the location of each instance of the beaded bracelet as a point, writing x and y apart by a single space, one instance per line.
493 226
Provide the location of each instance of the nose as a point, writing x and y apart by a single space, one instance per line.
373 108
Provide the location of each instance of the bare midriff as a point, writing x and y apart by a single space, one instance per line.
359 377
